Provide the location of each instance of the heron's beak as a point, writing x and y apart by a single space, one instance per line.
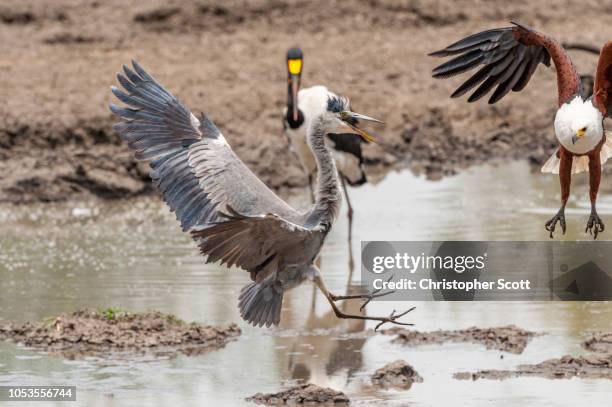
579 134
350 119
294 68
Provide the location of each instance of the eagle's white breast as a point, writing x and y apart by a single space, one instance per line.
573 116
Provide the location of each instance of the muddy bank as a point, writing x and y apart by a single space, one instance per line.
305 394
593 366
398 374
599 342
226 58
92 332
507 338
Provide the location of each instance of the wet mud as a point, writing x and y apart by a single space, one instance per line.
227 59
305 394
507 338
599 342
97 333
591 366
398 374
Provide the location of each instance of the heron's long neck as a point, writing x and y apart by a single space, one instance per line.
328 199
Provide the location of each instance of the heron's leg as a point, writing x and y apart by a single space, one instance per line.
565 179
349 214
594 224
368 297
381 320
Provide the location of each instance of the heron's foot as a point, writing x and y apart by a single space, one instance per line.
368 297
551 224
594 224
392 319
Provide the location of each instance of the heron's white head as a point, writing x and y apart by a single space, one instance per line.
579 125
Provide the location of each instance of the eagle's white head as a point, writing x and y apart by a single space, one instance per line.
579 125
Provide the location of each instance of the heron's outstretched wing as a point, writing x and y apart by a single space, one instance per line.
509 57
250 242
602 92
192 165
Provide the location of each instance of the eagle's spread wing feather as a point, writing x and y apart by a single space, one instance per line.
199 175
509 57
602 92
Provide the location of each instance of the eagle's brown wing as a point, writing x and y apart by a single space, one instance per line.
509 57
603 81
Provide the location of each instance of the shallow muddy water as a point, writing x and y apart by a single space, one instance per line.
132 255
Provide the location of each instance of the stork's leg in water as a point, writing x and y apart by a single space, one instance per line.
565 179
392 319
349 214
311 188
594 224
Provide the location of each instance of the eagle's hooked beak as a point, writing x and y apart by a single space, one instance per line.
579 134
294 69
350 120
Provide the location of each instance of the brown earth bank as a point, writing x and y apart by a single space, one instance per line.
592 366
398 374
227 58
98 332
506 338
304 394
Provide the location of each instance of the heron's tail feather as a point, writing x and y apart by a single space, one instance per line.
260 303
581 163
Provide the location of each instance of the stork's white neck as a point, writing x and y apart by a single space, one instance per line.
573 116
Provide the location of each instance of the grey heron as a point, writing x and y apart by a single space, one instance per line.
302 106
232 215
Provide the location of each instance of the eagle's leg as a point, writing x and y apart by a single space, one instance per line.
392 319
565 179
594 224
349 214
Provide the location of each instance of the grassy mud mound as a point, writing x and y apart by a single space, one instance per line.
91 332
593 366
506 338
305 394
398 374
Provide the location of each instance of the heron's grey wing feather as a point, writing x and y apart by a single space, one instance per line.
250 242
160 129
230 182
